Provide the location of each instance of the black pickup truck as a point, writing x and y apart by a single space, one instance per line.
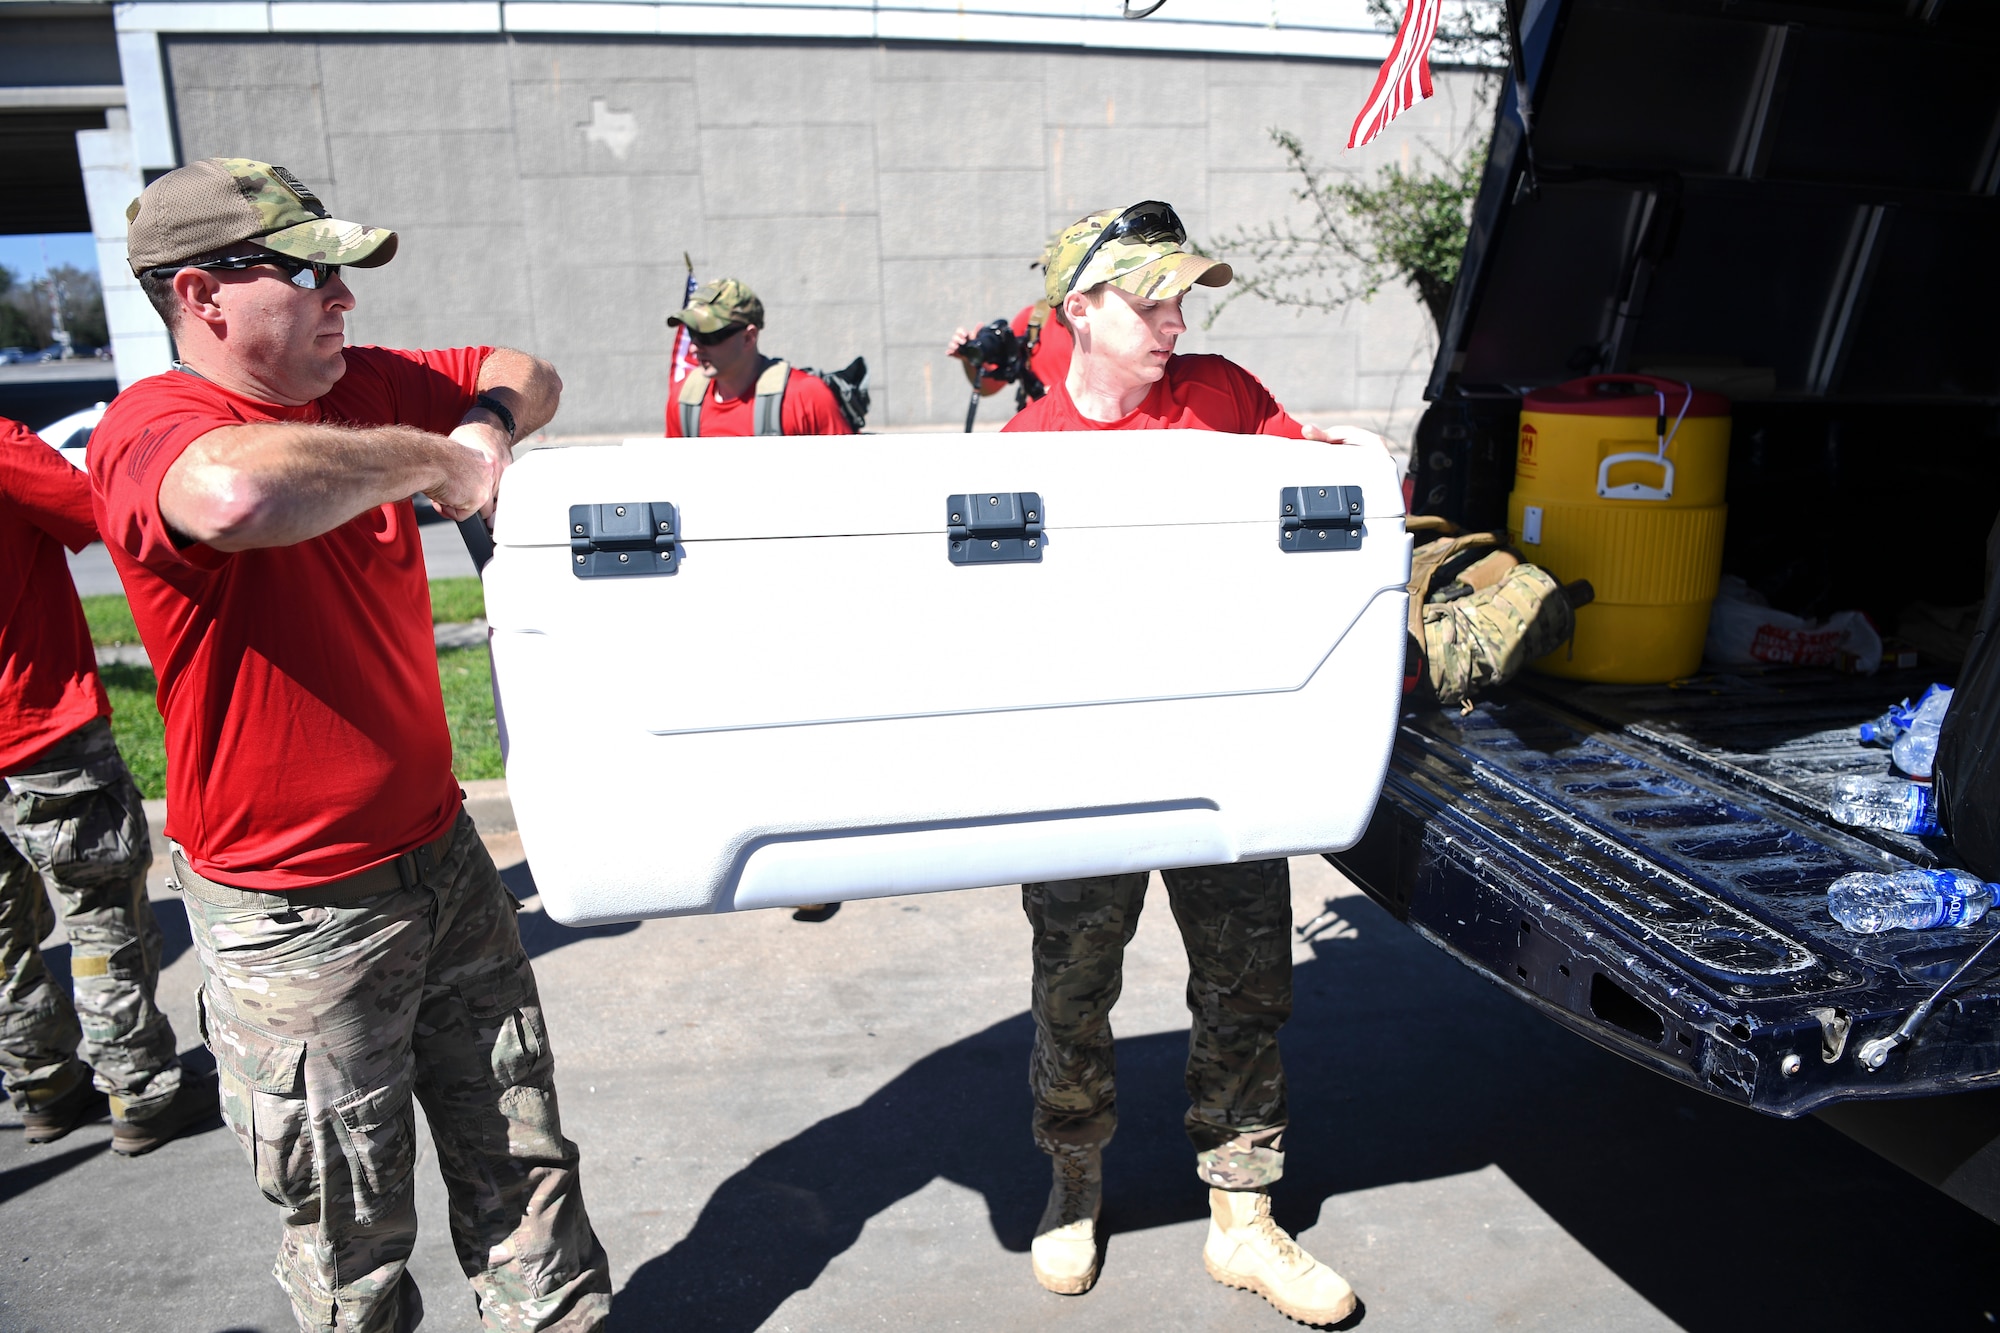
1795 204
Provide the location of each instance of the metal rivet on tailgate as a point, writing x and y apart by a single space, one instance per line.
1322 491
579 560
666 527
996 546
954 518
1031 515
993 499
579 528
621 508
1790 1064
1031 543
624 558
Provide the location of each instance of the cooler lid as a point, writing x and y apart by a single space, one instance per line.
1772 200
1625 396
738 489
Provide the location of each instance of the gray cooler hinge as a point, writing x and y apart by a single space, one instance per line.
1320 518
993 527
623 540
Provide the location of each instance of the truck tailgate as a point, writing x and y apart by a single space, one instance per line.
1648 866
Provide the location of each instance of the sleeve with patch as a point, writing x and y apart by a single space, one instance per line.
143 433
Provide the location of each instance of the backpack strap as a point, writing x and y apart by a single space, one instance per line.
1030 386
769 409
1427 559
693 389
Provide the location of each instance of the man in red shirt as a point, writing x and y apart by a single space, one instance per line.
1116 279
357 945
70 815
740 391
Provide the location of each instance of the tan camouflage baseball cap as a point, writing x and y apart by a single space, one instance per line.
718 304
219 201
1152 266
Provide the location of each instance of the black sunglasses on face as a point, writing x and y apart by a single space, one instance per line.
306 273
721 335
1149 220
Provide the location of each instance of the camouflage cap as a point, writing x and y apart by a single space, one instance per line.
718 304
1155 269
219 201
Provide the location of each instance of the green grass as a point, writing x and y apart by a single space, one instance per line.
465 673
452 602
467 677
137 725
110 619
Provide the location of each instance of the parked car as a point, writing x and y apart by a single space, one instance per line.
69 435
1741 197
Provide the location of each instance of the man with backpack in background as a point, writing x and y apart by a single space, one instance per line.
1116 279
740 391
71 815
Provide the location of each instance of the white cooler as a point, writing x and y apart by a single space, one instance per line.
763 672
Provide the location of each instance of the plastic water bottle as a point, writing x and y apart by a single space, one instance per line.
1890 803
1884 730
1916 749
1866 902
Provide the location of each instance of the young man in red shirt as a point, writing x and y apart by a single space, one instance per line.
71 815
724 320
357 946
1116 279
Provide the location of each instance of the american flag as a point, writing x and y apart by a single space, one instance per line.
683 345
1405 77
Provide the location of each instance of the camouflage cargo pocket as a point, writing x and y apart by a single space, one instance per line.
377 1132
84 823
263 1099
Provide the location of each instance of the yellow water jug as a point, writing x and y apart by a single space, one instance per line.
1619 479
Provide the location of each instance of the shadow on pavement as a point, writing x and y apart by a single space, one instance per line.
540 934
1403 1067
19 1180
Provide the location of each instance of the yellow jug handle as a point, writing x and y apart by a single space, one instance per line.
1633 490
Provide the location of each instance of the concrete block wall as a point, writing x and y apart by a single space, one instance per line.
876 196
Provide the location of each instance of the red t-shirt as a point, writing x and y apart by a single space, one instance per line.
1049 361
48 670
1196 393
810 409
306 736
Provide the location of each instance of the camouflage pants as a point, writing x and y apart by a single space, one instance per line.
1236 923
72 818
325 1021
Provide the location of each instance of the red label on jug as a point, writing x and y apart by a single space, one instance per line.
1524 459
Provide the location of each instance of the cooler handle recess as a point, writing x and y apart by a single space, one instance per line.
1634 490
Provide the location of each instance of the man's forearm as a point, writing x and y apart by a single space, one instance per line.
277 483
526 385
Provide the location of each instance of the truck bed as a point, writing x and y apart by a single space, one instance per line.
1648 866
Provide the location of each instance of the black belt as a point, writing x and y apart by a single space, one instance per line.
404 872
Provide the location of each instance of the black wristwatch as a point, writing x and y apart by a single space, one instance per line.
499 409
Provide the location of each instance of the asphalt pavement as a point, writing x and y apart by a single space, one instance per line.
825 1126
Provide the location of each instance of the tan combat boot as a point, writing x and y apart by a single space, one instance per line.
1247 1249
1065 1248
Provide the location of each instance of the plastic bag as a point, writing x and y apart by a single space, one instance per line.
1745 630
